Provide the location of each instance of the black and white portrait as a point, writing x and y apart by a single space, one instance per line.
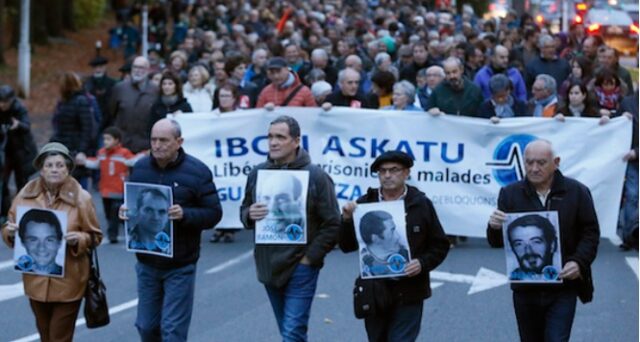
532 246
40 245
285 194
148 229
382 239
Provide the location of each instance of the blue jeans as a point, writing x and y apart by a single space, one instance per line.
628 219
401 323
544 315
292 303
165 302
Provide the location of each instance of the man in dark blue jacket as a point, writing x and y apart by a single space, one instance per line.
400 321
545 312
166 285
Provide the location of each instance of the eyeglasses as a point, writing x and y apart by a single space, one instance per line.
392 170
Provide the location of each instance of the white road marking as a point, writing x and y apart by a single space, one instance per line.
11 291
6 264
229 263
485 279
134 302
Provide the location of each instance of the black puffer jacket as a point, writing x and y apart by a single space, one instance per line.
427 242
73 124
20 147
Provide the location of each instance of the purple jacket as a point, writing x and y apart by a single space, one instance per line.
484 75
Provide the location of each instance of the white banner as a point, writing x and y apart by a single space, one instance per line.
460 162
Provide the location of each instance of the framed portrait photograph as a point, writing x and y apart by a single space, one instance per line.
285 194
148 229
381 232
532 247
40 243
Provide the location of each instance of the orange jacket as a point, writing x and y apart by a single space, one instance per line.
271 93
114 166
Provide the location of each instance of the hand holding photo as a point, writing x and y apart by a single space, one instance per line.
382 239
532 247
285 195
40 245
148 227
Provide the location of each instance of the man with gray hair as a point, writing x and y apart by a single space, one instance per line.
544 101
130 106
547 63
256 72
320 60
348 94
502 103
545 312
456 95
427 80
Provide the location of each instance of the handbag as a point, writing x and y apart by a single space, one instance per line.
370 297
96 310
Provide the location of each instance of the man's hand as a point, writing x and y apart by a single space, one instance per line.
327 106
559 117
631 155
570 271
435 111
72 238
495 120
11 228
14 124
604 119
258 211
122 213
175 212
347 210
305 261
413 268
270 106
497 219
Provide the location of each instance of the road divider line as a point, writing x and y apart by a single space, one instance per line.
633 263
6 264
134 302
230 263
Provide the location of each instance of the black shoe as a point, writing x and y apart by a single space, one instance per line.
215 238
624 246
113 241
228 237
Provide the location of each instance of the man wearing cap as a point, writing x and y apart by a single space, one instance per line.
290 272
99 84
285 89
400 320
130 107
16 142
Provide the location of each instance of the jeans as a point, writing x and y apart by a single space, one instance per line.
401 323
111 207
165 302
292 303
628 219
545 315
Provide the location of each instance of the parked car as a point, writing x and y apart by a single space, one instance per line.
615 26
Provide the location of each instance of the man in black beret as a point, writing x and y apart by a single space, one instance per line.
400 319
99 84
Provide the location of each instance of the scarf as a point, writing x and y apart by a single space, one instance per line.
504 110
541 104
608 99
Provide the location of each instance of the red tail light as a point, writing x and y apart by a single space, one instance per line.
634 29
594 27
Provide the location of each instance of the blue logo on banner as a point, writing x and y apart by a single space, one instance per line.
25 263
163 240
396 263
294 232
508 158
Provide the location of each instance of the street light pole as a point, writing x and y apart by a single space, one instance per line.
145 29
24 50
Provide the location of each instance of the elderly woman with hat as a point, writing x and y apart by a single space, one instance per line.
55 301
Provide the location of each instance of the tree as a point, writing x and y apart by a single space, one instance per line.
2 29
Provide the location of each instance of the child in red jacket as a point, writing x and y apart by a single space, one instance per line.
113 161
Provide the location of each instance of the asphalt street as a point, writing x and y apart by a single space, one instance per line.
470 301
